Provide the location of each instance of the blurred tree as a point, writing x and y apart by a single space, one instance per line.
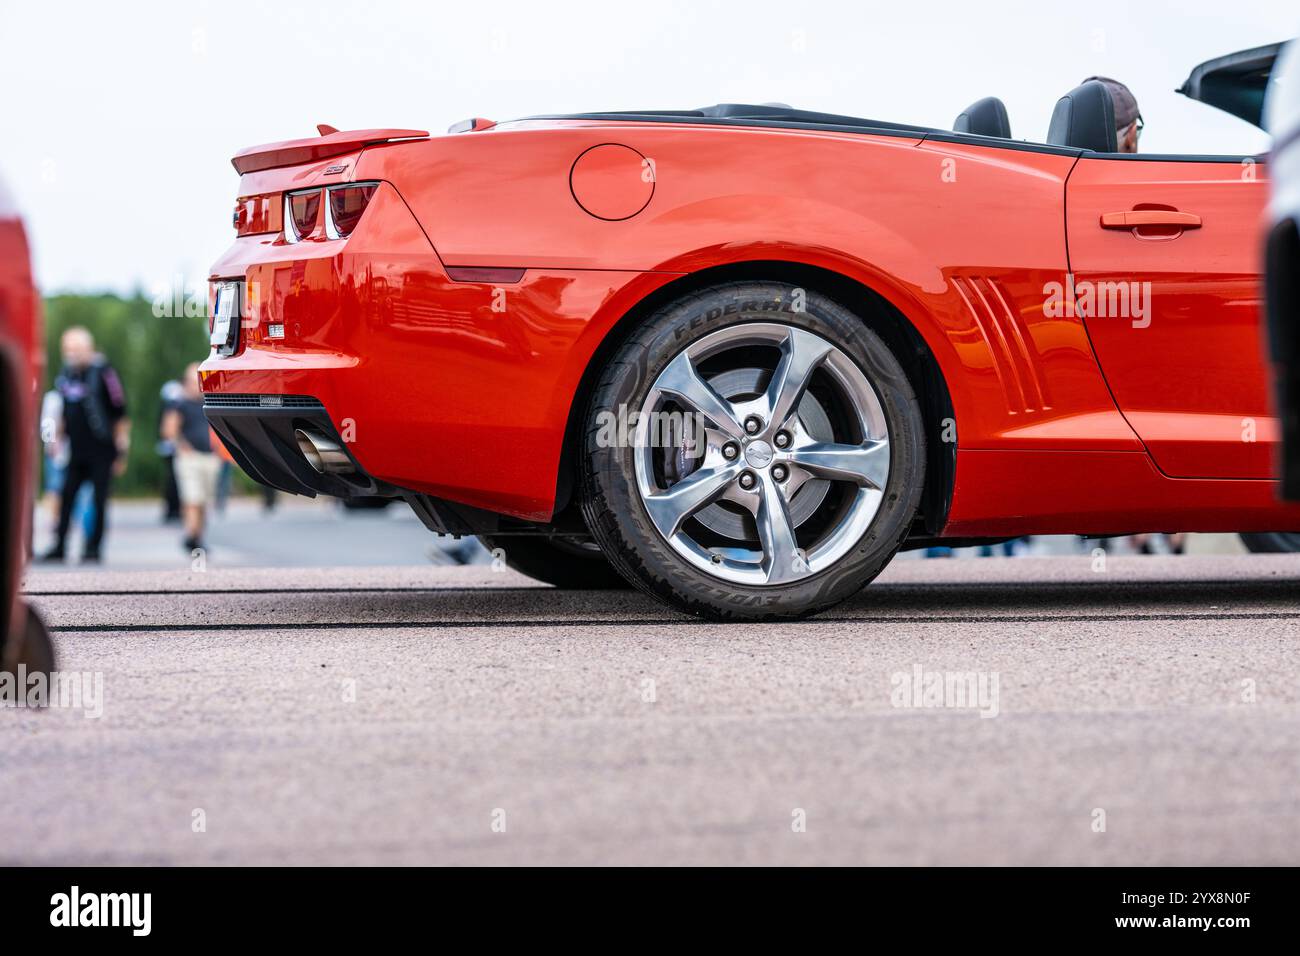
146 351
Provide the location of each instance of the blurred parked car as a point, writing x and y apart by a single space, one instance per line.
23 638
1282 280
1282 259
1262 86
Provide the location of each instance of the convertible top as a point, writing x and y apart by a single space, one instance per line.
1235 83
749 114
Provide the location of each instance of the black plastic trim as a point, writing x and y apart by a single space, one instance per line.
260 438
696 118
230 400
862 128
924 134
1261 158
261 441
448 517
995 142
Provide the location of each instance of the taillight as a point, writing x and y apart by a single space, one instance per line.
303 211
346 204
257 214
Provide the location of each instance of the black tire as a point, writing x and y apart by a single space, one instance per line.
566 561
612 504
38 649
32 649
1271 542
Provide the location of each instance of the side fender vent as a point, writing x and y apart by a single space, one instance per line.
1011 348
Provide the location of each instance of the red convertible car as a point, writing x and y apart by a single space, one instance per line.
24 640
739 356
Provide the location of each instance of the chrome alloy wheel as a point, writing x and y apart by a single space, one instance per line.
785 465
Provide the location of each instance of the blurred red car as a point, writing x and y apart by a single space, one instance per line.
23 638
741 355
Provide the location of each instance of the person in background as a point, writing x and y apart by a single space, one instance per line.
1011 548
97 430
170 394
55 445
197 465
225 480
1159 543
1128 118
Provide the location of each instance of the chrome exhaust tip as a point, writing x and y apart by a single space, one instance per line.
325 455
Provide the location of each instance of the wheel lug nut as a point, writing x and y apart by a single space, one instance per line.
782 439
747 480
730 451
752 425
778 472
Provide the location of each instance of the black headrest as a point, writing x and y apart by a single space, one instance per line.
1084 118
986 117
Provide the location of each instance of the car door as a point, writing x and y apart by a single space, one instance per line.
1164 254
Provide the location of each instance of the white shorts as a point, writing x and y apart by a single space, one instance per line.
196 476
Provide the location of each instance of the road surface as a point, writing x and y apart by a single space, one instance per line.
1146 712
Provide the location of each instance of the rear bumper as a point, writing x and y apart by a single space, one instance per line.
260 437
259 432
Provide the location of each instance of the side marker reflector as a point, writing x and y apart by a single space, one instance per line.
481 274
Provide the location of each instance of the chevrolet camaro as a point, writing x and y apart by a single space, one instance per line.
739 356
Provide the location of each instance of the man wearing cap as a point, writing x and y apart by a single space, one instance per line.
1128 118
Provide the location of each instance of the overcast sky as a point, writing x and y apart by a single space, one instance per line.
118 121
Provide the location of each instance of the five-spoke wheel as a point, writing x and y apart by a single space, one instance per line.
774 457
768 455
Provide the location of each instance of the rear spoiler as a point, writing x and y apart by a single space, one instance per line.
292 152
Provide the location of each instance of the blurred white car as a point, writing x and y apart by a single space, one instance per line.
1282 265
1262 86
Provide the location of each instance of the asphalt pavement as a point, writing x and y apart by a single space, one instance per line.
1054 710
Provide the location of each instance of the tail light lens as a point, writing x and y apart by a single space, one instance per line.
257 214
304 208
346 204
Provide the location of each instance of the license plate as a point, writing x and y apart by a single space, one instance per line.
226 311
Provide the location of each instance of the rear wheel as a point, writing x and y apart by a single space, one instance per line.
31 650
1271 542
566 561
38 649
753 452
